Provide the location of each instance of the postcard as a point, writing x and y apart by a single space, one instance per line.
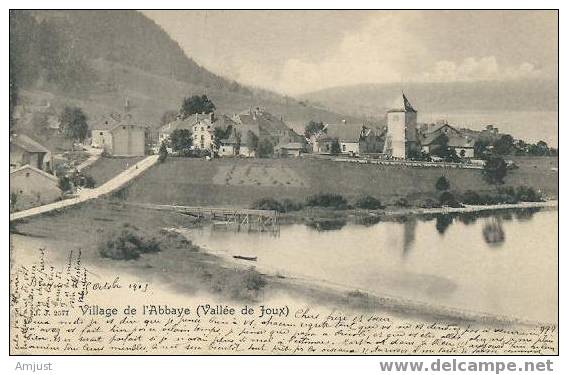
294 182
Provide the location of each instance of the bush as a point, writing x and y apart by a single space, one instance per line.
402 202
448 199
253 280
89 181
527 194
368 202
495 170
323 224
327 200
289 205
442 184
472 197
163 153
429 203
127 245
65 183
268 204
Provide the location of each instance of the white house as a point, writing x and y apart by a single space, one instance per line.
401 129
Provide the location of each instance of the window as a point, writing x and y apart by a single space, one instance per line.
101 133
344 148
27 174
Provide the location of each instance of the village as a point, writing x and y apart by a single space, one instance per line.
253 133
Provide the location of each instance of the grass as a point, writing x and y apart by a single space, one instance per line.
213 183
106 168
135 235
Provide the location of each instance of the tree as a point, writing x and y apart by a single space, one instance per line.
13 201
312 128
39 122
442 149
442 184
65 183
196 104
219 134
495 170
265 149
74 123
335 147
503 145
479 148
163 153
252 141
181 140
168 116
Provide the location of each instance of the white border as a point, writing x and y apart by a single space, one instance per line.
240 365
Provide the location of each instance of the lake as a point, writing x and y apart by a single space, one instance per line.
503 263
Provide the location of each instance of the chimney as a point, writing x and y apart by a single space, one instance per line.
126 105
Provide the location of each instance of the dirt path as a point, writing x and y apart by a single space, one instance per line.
94 155
88 194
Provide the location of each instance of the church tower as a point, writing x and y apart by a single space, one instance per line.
401 129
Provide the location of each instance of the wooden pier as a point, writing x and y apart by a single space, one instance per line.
231 218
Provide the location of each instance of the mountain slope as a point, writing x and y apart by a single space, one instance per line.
374 99
98 59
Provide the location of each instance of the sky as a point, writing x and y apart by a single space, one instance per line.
295 52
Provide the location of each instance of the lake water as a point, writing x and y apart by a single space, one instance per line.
502 263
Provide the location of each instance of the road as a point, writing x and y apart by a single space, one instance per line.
87 194
94 155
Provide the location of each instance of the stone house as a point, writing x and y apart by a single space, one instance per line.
31 186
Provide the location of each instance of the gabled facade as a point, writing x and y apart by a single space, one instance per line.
354 140
30 187
122 137
24 150
431 139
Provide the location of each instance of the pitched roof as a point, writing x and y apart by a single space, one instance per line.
177 124
105 122
222 122
402 105
36 170
27 143
232 140
454 140
128 120
344 132
265 121
290 146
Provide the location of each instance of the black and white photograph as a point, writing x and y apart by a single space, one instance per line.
283 182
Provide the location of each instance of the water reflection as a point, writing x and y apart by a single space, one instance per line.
443 222
409 235
440 259
326 224
493 232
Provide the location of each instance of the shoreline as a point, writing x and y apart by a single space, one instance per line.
474 208
326 213
340 294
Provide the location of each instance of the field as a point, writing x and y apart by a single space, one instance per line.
239 182
106 168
